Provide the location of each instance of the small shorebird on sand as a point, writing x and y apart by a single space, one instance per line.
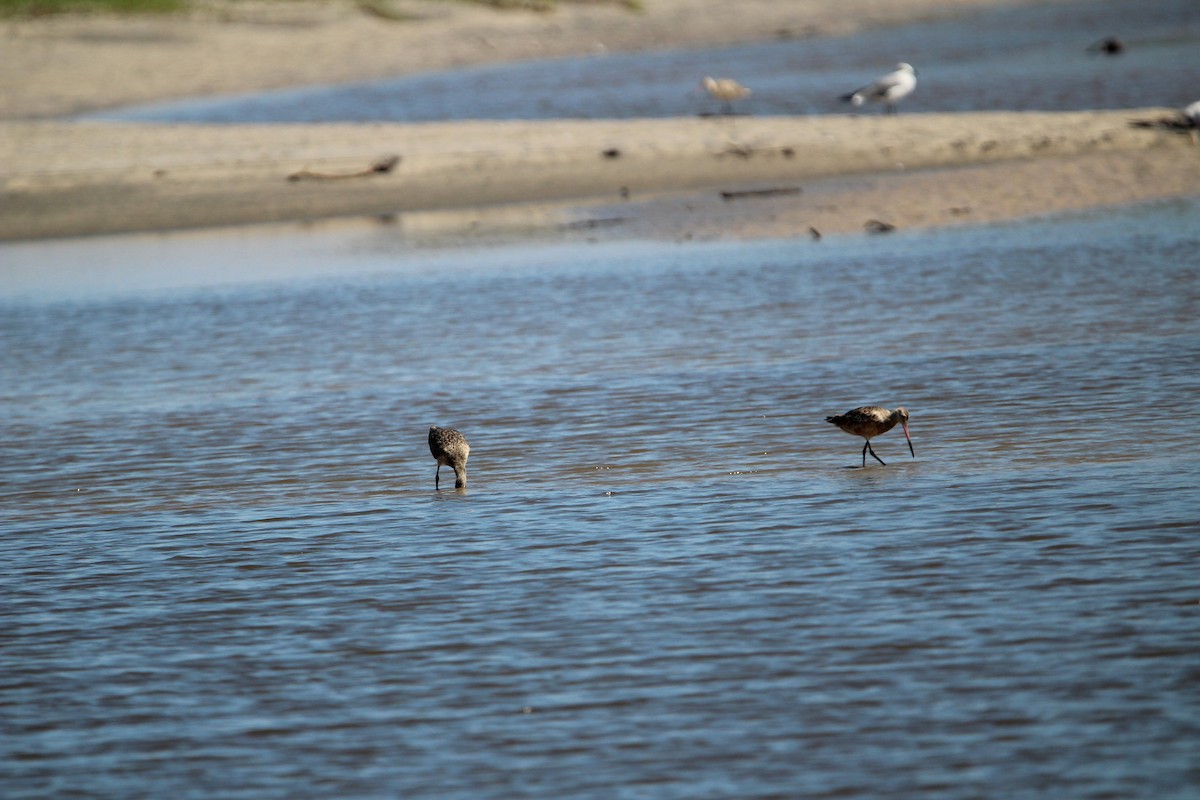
726 90
887 89
871 421
449 447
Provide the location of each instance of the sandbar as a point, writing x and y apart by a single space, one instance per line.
674 178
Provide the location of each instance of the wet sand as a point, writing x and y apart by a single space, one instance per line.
651 178
664 177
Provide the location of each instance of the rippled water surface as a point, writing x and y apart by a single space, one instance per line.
1030 58
226 572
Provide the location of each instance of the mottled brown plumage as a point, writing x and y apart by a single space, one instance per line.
869 421
449 447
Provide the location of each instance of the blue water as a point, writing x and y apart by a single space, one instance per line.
1031 58
227 572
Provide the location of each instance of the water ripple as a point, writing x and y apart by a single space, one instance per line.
228 574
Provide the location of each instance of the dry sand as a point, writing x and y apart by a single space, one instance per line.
655 178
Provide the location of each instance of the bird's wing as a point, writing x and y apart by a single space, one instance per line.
868 413
881 85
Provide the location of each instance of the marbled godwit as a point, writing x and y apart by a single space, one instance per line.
888 89
871 421
726 90
449 447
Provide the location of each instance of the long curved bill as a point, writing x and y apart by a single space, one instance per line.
906 436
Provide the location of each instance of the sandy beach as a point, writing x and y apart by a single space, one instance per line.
659 178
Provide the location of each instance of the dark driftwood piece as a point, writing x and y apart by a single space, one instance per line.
1177 123
774 192
380 167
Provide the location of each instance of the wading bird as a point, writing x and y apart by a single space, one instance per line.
726 90
449 447
887 89
870 421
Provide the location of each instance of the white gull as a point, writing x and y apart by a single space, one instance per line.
888 89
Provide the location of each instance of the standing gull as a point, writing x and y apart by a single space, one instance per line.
726 90
449 447
888 89
871 421
1191 114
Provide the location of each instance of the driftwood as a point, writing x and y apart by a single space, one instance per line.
380 167
774 192
1175 124
747 151
592 224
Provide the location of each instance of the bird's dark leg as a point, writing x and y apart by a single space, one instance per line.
436 474
877 458
865 446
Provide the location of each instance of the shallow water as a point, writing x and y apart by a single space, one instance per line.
1032 58
227 572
